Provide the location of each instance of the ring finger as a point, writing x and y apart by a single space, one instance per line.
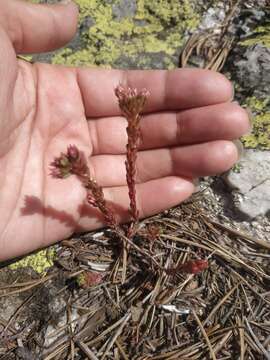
189 161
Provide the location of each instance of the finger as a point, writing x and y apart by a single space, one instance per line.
171 191
8 71
169 90
189 161
38 28
225 121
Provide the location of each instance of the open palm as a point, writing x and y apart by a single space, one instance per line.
187 130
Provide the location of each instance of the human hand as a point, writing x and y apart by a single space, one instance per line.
187 132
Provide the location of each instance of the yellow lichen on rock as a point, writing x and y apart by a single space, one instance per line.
260 36
260 135
39 261
150 30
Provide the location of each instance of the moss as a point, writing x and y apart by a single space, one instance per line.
255 104
237 168
39 261
152 29
261 36
78 58
27 58
80 279
260 136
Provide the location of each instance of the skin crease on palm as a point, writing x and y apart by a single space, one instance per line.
187 131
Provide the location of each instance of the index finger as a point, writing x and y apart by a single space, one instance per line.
169 89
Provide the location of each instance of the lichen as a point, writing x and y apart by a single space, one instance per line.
260 135
28 58
78 58
256 104
260 36
39 261
89 278
237 168
80 279
152 29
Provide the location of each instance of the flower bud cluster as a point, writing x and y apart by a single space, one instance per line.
72 162
131 101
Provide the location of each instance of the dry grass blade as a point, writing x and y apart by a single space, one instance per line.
123 323
25 286
222 341
105 332
70 329
158 303
212 47
258 343
242 339
240 234
15 314
250 287
124 261
212 353
60 349
219 304
90 355
121 350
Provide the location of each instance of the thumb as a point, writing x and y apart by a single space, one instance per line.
38 28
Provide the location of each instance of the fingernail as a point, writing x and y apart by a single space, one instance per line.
250 118
196 183
233 92
240 148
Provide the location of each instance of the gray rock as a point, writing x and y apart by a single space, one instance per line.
253 69
124 8
213 18
245 26
158 60
256 3
252 183
58 331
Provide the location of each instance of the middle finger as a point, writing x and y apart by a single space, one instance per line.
225 121
188 161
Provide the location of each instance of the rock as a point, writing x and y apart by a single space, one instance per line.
252 183
124 8
246 24
158 60
58 331
256 3
253 69
213 18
